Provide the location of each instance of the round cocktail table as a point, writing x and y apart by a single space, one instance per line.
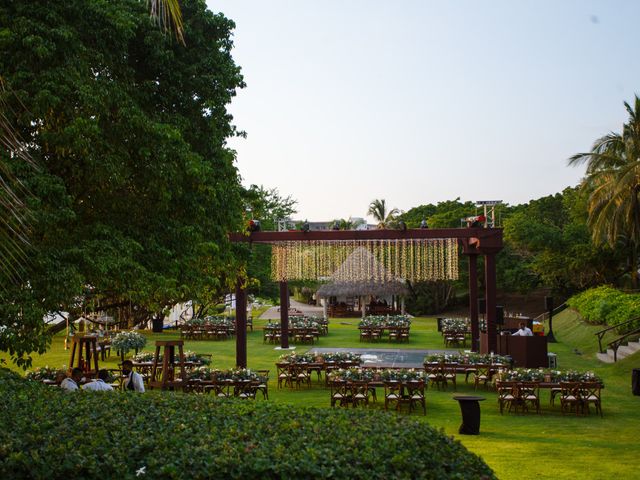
470 408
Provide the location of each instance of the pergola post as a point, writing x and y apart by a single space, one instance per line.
490 295
402 308
284 315
473 302
241 324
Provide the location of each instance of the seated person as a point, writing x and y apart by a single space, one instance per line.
524 331
60 377
133 380
100 384
73 382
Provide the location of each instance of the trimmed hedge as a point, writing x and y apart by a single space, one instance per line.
48 433
609 306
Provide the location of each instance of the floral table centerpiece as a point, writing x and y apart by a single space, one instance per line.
123 342
44 373
454 325
354 374
444 358
402 375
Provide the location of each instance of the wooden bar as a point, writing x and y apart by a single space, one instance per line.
527 352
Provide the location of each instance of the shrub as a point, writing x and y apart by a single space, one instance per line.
50 433
607 305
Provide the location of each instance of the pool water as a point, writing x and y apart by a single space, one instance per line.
387 357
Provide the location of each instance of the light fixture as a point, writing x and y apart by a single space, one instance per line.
254 226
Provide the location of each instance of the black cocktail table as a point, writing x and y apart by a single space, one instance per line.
470 408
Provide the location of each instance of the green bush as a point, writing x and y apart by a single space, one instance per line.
49 433
606 305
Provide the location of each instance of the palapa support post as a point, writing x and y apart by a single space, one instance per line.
89 344
473 302
167 378
241 324
490 295
284 315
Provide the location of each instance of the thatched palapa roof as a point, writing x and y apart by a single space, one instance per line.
362 275
362 289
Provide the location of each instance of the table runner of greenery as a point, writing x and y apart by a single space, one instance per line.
385 321
210 321
548 375
369 375
454 325
468 358
296 321
308 357
44 373
189 356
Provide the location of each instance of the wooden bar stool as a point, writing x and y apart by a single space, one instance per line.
165 379
88 344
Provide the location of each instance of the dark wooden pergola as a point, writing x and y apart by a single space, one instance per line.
474 242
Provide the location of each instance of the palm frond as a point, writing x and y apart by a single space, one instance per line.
15 218
168 15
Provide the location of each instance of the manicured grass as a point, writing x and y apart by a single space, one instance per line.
528 446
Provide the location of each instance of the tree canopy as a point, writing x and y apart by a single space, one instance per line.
136 189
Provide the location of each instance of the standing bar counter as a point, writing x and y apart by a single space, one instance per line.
527 352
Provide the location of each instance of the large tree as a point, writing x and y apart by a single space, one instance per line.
613 183
136 189
14 214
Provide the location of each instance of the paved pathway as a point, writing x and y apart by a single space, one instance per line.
274 312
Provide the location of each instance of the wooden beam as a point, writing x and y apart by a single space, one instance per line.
481 238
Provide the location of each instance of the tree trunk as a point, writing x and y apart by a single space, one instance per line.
634 266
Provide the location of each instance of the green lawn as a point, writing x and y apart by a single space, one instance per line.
528 446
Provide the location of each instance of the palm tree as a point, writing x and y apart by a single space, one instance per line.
613 183
378 210
346 224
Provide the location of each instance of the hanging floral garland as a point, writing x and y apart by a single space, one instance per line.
357 260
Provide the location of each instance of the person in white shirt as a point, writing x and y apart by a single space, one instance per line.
524 331
133 381
99 384
73 382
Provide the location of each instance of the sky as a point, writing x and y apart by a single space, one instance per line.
420 101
